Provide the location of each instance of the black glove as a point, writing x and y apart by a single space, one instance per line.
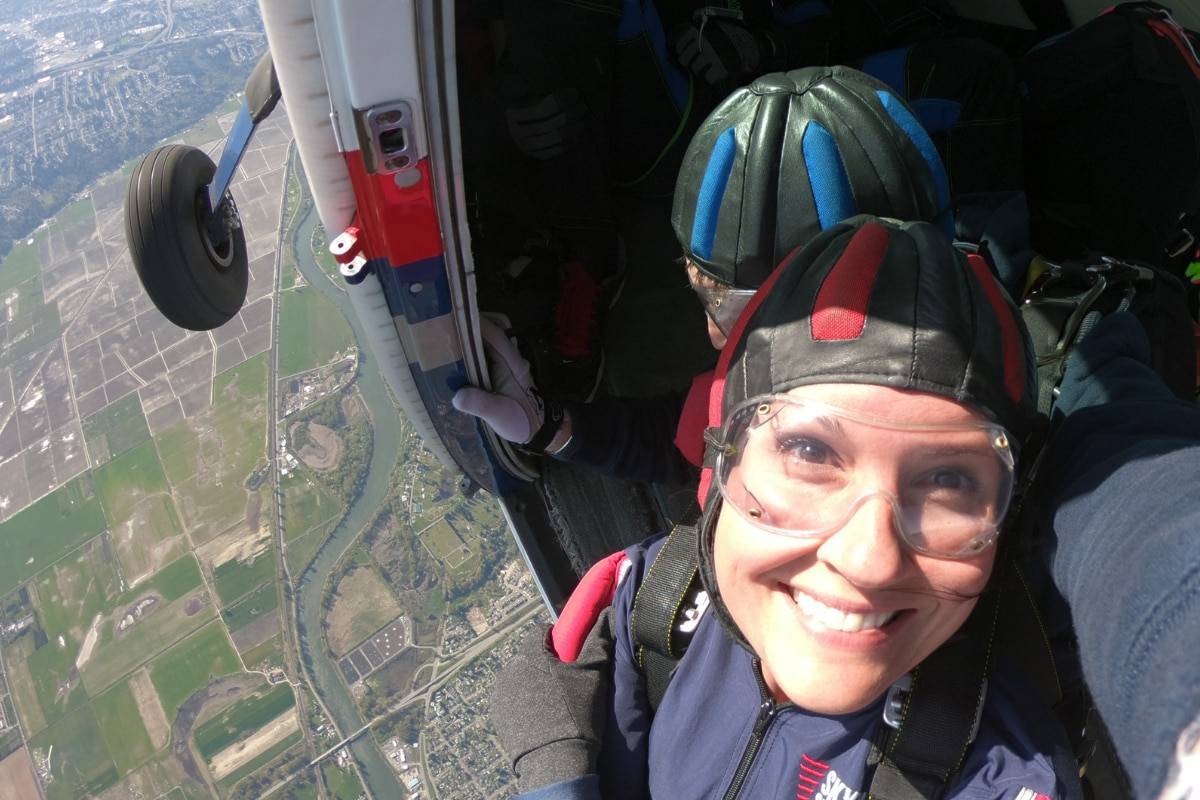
547 126
720 52
549 715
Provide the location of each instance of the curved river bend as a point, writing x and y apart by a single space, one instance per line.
386 435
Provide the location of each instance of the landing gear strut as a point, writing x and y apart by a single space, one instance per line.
183 229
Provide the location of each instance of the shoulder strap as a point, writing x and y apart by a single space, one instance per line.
938 717
672 577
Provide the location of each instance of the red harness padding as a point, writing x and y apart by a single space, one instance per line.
594 593
693 419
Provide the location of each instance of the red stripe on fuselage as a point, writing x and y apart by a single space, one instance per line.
399 224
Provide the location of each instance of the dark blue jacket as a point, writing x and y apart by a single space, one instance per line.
709 711
1121 513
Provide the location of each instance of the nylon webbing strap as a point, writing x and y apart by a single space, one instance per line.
940 716
1045 325
1022 636
656 608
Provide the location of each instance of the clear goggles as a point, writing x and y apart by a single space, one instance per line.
804 469
723 304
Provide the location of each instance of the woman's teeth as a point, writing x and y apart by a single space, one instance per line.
837 620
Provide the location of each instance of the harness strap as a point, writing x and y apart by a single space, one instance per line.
672 577
940 714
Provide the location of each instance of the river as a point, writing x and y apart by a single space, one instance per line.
386 434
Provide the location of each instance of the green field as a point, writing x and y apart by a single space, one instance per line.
21 264
442 540
77 588
75 215
118 428
243 718
190 665
48 530
343 784
177 447
311 330
305 507
235 578
231 780
172 581
161 516
325 259
270 651
121 725
126 480
248 379
28 301
20 683
50 667
80 763
205 132
33 331
114 657
306 792
208 470
301 551
262 600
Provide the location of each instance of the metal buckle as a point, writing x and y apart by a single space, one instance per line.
893 706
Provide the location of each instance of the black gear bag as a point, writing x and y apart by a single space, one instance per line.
1112 133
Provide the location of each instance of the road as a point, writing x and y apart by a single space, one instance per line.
522 615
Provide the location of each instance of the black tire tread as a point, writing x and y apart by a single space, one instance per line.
165 251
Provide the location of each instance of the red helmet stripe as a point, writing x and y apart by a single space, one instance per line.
840 309
1010 338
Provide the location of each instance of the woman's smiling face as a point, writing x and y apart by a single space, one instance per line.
836 619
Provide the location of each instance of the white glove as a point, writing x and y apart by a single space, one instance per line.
514 409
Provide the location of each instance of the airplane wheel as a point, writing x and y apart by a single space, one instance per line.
196 282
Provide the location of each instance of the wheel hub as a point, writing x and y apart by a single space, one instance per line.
215 231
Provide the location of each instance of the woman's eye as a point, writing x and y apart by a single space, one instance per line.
811 451
952 479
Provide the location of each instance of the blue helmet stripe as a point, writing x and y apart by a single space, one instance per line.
712 190
827 176
908 123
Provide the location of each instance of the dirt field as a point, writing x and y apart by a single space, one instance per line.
323 450
247 750
239 544
363 606
16 777
89 643
149 708
257 632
